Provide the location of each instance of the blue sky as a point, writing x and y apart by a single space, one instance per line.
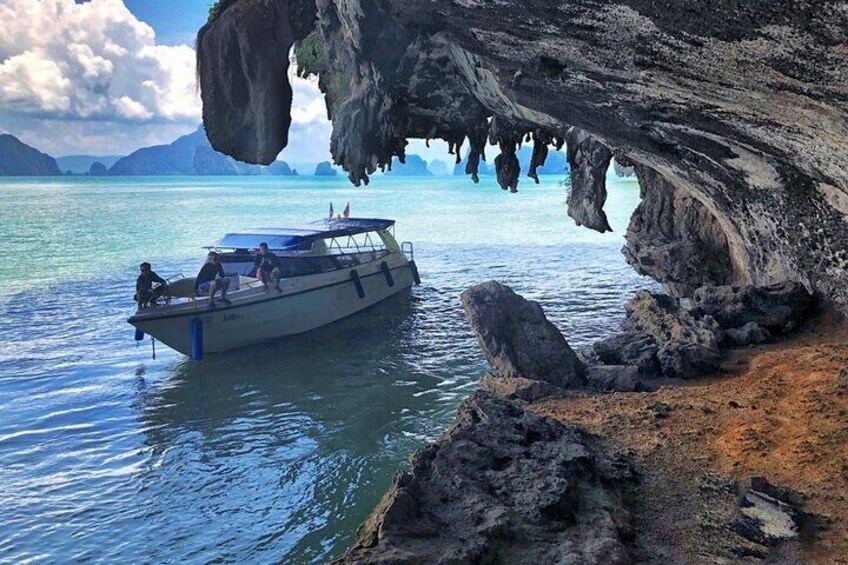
175 21
106 77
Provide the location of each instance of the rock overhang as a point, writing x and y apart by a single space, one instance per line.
741 110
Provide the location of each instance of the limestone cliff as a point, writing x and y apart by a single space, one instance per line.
735 112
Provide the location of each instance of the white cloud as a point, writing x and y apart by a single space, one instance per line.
95 60
90 78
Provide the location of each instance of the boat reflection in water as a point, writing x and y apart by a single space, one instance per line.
295 440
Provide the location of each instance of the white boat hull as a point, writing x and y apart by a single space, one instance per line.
305 303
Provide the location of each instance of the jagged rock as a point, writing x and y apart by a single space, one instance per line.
503 485
724 102
674 239
623 168
780 307
635 348
589 160
243 58
619 378
749 334
687 346
517 338
518 388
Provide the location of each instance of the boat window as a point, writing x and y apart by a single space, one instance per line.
357 243
344 261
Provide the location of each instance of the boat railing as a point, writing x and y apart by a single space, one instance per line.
408 249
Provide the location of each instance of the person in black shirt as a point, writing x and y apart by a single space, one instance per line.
267 267
145 293
211 278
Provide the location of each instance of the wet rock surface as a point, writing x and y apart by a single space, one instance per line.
504 485
517 339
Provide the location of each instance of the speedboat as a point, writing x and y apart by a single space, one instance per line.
331 269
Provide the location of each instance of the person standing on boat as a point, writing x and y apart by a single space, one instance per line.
267 267
145 293
211 278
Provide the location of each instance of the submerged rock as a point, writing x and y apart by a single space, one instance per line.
517 339
503 485
779 307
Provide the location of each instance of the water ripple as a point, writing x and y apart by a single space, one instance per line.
271 453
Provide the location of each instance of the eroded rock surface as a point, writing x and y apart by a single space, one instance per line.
517 338
778 308
687 346
589 160
675 239
504 485
740 107
752 520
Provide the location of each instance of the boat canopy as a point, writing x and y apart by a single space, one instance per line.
300 237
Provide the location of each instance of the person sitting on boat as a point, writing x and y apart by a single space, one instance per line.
145 293
211 278
267 267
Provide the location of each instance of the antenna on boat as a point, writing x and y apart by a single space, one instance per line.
330 217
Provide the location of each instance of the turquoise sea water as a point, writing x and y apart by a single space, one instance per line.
274 453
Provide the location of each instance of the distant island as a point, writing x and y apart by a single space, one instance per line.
17 159
325 169
414 166
193 155
81 164
190 154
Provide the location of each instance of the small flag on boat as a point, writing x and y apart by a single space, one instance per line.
331 212
346 212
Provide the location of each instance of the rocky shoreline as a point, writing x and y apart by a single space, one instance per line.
734 118
506 484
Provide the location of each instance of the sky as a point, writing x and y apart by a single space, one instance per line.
106 77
